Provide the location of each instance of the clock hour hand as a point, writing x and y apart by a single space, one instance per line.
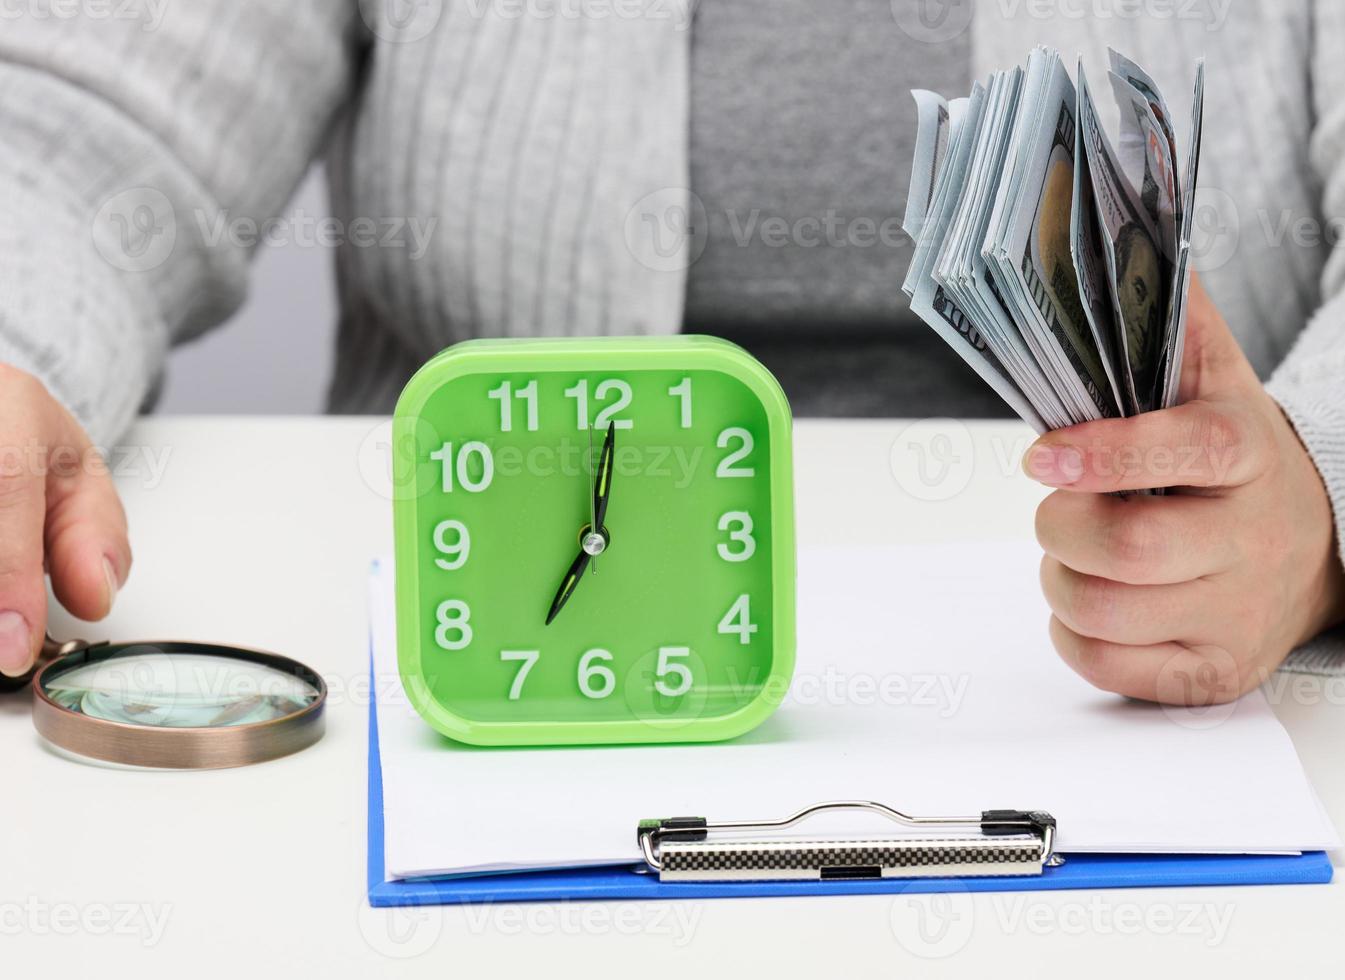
593 538
567 585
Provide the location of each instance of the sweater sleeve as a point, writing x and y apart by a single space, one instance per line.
1310 383
130 141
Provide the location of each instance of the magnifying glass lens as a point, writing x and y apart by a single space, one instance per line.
179 690
178 705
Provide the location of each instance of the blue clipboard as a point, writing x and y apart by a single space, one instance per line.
626 882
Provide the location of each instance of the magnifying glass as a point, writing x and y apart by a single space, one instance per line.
174 704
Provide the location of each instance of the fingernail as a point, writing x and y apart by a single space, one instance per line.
1056 466
110 574
16 652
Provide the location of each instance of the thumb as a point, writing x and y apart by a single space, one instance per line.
23 592
1213 360
88 552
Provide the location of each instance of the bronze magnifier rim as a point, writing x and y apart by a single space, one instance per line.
178 748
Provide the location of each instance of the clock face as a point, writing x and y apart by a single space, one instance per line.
599 543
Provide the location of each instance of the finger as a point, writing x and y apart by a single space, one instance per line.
1128 614
88 551
1172 673
1199 444
1138 540
1213 360
23 591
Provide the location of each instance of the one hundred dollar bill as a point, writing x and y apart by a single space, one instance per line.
1055 262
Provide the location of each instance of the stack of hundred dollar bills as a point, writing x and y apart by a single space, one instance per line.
1053 263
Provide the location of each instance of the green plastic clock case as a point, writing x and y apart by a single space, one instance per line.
589 357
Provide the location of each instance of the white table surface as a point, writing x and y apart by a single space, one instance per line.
258 532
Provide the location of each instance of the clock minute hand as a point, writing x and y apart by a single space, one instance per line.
602 480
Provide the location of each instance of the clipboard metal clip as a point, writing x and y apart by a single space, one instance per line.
1005 842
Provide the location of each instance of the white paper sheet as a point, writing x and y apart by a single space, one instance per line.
925 680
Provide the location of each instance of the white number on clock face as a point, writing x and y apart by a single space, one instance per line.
670 666
454 552
462 466
505 394
728 466
682 392
596 679
454 629
605 390
525 660
739 620
738 524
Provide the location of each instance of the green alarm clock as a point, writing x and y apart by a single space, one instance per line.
594 541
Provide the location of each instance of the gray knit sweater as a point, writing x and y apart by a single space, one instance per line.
552 153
